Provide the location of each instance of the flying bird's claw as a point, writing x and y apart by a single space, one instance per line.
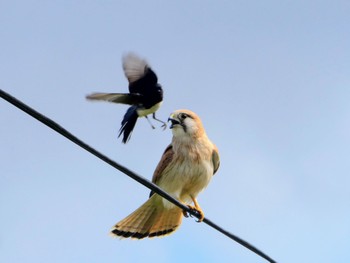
164 123
150 123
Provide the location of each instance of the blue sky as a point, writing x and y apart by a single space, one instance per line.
270 80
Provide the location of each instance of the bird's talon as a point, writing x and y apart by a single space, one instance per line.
199 212
185 213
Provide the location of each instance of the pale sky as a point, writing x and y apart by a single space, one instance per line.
270 80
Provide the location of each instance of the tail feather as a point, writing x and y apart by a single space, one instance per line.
167 223
128 123
150 220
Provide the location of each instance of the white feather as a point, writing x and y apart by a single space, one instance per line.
134 67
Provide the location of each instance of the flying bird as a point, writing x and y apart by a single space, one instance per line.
145 94
185 169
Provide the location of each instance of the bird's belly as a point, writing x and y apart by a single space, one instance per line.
142 112
187 180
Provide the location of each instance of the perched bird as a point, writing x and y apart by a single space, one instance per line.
185 169
145 94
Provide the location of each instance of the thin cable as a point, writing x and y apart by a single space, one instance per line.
53 125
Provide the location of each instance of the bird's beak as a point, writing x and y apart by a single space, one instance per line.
173 122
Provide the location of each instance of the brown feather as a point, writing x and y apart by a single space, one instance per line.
185 169
167 157
215 159
150 220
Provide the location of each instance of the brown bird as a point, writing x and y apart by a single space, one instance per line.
185 169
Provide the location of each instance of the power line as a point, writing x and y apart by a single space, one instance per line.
56 127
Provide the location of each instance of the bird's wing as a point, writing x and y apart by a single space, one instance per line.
138 73
166 159
215 159
142 85
134 67
123 98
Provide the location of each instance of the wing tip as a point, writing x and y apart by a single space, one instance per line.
134 66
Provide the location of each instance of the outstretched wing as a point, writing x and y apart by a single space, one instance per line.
138 73
134 67
123 98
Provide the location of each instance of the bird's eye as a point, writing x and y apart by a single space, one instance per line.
183 116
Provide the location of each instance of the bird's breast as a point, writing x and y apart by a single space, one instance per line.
186 176
142 112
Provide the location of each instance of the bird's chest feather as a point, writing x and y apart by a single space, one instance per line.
142 112
189 173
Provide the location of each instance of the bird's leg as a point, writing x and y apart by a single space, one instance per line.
154 117
150 122
196 208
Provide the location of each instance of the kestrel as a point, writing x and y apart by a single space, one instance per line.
185 169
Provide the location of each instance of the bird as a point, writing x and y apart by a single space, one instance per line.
185 169
145 94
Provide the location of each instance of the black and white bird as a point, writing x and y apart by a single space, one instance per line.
145 94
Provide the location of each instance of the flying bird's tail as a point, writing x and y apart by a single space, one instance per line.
128 123
150 220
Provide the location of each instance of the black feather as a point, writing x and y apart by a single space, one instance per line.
128 123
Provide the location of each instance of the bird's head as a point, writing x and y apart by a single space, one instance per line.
186 123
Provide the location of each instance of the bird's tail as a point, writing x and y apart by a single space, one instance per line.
128 123
150 220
